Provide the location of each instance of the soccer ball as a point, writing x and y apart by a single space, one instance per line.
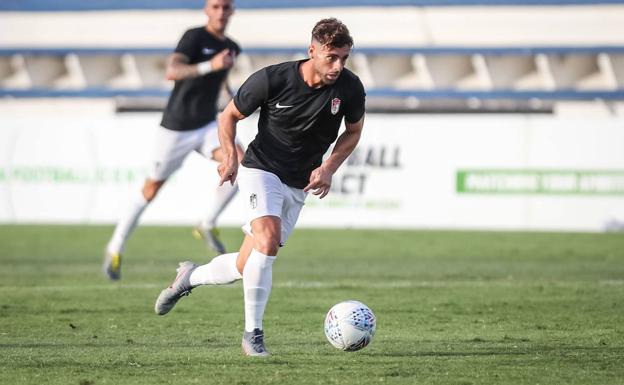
350 325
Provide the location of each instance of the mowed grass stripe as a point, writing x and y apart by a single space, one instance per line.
336 285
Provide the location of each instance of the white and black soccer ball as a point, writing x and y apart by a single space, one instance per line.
350 325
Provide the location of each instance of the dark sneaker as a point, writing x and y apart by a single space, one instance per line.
180 287
253 344
112 265
210 237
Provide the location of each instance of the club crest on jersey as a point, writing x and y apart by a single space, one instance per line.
253 201
335 106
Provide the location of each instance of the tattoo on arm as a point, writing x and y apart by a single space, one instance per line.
178 67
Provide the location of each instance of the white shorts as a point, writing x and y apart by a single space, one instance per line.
172 147
264 194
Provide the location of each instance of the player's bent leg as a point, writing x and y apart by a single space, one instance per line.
243 252
207 229
151 188
112 265
210 234
126 226
180 287
221 270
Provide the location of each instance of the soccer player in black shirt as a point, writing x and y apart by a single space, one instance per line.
199 67
302 105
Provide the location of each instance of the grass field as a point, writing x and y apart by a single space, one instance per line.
452 308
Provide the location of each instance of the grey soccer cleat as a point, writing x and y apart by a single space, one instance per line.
112 265
210 237
253 344
179 288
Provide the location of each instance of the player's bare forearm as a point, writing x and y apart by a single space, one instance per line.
321 177
227 128
345 145
228 169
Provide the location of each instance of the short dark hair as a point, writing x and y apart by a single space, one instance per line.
332 32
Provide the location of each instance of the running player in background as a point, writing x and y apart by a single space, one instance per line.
199 66
302 105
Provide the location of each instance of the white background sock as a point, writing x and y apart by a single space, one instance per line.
222 196
220 271
257 282
127 223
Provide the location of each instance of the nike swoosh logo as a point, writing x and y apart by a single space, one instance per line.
278 105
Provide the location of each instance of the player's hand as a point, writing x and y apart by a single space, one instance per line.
223 60
320 182
228 170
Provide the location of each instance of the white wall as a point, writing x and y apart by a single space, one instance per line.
76 161
370 26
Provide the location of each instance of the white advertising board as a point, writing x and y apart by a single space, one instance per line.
76 161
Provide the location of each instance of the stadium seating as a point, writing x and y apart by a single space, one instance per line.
550 55
523 72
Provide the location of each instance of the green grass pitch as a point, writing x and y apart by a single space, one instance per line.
452 308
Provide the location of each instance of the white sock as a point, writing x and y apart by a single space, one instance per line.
222 196
220 271
257 282
127 223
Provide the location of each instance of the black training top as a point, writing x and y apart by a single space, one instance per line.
297 123
193 101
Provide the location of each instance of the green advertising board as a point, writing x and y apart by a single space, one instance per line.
540 182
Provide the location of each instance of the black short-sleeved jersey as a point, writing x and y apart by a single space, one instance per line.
193 101
297 123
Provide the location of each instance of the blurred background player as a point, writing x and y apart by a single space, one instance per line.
199 67
302 105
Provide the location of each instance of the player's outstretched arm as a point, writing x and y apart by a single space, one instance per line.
228 168
178 66
321 177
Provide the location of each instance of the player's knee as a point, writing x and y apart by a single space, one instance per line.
149 194
267 245
150 190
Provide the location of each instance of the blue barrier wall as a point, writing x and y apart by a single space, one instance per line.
442 50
